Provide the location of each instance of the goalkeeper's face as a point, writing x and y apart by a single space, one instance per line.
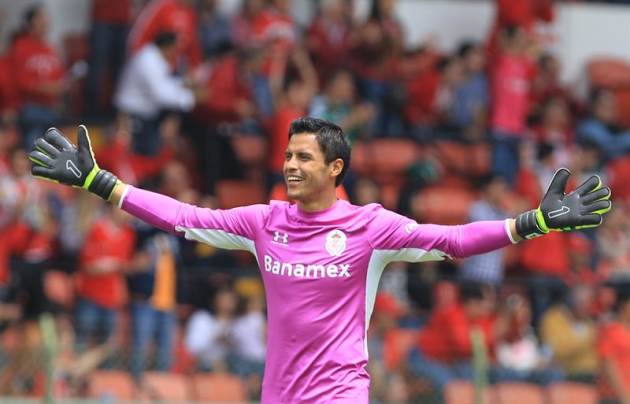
306 173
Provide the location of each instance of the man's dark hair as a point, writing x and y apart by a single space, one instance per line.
330 137
165 38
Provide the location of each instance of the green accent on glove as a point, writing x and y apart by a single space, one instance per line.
90 177
540 221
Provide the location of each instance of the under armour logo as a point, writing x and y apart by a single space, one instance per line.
559 212
73 168
280 237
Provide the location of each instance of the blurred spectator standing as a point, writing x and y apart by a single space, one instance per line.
178 16
148 90
208 333
8 93
292 95
520 357
327 38
376 51
469 109
249 343
613 346
524 14
510 90
601 127
152 285
215 30
569 331
101 286
338 104
444 349
242 22
487 268
39 74
110 25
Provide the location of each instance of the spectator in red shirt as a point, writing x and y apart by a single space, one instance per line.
292 96
328 37
233 78
108 37
274 25
39 74
242 23
8 93
444 349
100 282
376 49
522 13
510 90
614 351
176 16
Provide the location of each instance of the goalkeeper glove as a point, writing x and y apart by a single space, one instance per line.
55 158
579 209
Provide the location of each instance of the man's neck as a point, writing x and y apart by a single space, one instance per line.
318 205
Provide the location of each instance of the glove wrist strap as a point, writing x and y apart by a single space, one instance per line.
103 184
527 225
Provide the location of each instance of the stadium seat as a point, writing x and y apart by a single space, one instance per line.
222 387
573 393
115 384
622 98
390 158
250 150
442 205
233 193
608 72
463 392
518 393
360 158
168 386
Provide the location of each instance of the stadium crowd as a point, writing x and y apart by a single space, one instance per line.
196 105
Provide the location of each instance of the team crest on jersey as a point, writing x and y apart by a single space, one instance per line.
336 243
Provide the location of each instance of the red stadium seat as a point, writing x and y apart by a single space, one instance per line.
233 193
463 392
573 393
250 150
390 158
608 72
442 205
222 387
519 393
168 386
116 384
359 162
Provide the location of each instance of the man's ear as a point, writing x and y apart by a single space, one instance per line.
336 166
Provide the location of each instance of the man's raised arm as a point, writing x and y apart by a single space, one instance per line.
56 159
579 209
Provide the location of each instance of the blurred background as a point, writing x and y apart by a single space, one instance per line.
456 110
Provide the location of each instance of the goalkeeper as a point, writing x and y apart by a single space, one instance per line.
320 258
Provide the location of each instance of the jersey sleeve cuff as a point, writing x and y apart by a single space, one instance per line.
509 233
123 196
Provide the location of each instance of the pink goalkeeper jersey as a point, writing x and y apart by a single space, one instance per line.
321 271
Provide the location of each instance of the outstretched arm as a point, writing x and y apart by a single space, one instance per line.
405 240
55 158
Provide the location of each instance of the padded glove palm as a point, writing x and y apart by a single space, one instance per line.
55 158
579 209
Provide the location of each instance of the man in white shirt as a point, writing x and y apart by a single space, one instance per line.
149 88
